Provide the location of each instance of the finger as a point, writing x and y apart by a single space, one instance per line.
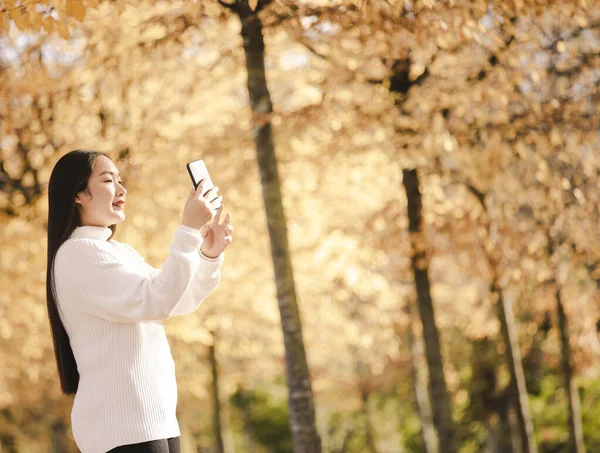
229 229
227 220
211 193
217 203
217 217
212 196
201 187
204 231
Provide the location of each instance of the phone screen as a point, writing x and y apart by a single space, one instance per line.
197 170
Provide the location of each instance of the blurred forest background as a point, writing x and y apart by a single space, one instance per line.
438 166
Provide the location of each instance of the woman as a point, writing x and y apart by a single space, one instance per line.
106 305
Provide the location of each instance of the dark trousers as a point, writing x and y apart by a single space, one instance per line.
154 446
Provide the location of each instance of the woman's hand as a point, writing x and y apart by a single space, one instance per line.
199 210
217 236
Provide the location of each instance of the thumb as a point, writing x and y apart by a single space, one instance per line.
204 231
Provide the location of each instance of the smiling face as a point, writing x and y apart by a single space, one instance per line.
104 188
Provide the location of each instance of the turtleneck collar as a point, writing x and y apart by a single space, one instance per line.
91 232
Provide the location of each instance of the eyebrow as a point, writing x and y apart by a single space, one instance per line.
110 172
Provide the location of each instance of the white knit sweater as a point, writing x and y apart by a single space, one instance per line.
112 304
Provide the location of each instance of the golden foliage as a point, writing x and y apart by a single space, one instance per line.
498 97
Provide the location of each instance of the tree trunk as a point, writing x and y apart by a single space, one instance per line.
509 335
499 435
59 437
509 332
217 427
442 411
487 404
362 377
575 424
513 429
419 375
302 413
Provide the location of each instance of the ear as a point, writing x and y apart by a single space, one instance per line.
77 200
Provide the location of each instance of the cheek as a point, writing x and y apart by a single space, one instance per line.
109 194
104 194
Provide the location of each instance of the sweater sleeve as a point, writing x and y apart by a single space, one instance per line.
206 279
114 290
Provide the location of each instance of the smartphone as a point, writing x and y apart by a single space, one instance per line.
198 171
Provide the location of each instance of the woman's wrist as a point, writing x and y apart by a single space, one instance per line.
188 228
210 258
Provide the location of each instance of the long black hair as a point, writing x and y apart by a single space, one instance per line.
69 176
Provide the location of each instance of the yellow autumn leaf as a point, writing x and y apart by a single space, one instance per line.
36 20
48 24
63 30
91 3
15 14
121 4
26 19
253 4
4 22
78 10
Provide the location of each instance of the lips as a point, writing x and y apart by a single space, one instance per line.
119 204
